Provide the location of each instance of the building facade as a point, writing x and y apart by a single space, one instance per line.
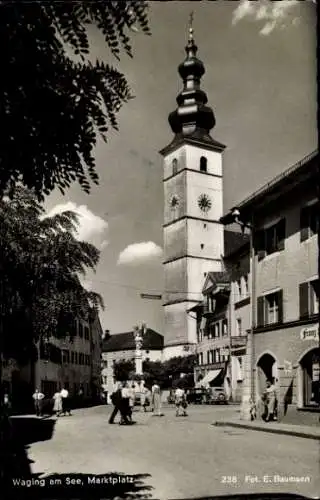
284 216
221 341
73 362
121 347
193 204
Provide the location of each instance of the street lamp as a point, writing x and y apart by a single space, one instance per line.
139 333
248 396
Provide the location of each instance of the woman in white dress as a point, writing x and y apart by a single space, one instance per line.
156 400
57 405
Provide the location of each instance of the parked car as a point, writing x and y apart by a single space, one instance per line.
197 396
217 395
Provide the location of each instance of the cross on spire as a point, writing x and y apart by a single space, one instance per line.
191 17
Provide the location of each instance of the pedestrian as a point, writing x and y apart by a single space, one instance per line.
131 400
116 400
80 397
143 396
270 399
57 403
156 400
6 403
181 402
38 398
126 414
65 400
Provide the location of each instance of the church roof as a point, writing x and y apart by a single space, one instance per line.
125 341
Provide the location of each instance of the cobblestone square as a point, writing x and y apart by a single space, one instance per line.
186 457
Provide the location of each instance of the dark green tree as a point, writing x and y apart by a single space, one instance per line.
40 268
54 99
123 370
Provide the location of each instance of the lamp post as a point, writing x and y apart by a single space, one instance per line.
248 394
138 333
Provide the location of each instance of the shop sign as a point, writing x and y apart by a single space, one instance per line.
310 333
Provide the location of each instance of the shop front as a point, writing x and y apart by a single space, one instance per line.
290 358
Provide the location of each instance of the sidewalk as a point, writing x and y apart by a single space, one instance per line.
303 431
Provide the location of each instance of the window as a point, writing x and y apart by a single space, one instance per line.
65 357
225 327
86 333
205 274
270 309
217 330
238 327
246 285
202 246
310 365
73 357
205 226
238 289
309 298
174 166
203 164
271 239
208 357
80 329
309 221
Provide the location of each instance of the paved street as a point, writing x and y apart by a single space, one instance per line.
186 457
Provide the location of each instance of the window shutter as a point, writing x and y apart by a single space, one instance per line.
259 244
303 300
281 234
260 311
280 306
304 223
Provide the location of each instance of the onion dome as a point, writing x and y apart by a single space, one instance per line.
192 115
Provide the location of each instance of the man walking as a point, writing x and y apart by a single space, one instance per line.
65 401
116 401
38 398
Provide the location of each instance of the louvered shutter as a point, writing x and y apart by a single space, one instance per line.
260 311
280 306
304 300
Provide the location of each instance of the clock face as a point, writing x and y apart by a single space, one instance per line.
204 202
174 202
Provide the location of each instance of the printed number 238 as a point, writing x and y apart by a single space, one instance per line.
229 479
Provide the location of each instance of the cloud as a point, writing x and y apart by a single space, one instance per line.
91 228
272 14
140 253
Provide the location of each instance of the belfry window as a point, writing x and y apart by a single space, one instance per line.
203 164
174 166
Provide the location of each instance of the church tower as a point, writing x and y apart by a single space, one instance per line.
193 235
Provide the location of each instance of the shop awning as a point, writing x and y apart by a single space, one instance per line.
211 375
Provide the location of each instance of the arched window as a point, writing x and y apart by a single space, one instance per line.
203 164
174 166
310 365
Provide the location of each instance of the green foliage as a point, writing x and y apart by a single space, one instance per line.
168 372
123 370
41 261
53 98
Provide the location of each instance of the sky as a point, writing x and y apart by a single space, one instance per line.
260 60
